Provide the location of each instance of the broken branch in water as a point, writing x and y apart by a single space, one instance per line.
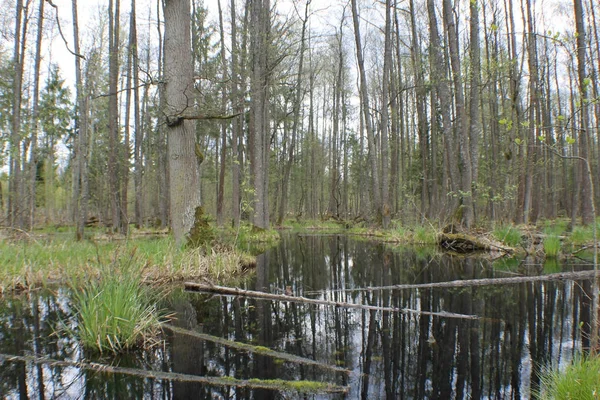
272 384
255 349
227 291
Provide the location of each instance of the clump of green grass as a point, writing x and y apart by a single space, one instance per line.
551 246
581 235
116 314
578 381
424 235
508 235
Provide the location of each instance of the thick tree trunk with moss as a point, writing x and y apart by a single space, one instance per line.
184 177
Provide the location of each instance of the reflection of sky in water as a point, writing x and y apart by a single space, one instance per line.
319 267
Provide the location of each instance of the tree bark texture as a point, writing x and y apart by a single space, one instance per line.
259 118
184 177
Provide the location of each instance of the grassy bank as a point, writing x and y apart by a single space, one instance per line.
42 259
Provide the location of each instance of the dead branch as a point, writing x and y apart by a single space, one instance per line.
62 35
228 291
178 119
575 276
255 349
176 376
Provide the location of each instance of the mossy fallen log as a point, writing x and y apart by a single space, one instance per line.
464 243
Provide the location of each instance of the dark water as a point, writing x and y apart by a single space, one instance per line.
525 328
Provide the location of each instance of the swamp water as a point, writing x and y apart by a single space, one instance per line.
525 328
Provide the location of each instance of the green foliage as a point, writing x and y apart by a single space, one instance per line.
55 108
578 381
551 246
425 235
555 227
201 233
507 234
581 235
116 313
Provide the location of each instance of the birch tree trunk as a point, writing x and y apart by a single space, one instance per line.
184 177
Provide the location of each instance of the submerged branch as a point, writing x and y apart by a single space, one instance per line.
255 349
227 291
274 384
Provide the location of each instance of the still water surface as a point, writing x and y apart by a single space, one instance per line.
524 328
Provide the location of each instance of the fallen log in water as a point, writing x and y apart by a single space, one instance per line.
228 291
574 276
463 243
256 349
311 387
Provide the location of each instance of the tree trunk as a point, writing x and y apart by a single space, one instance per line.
113 115
184 177
221 184
385 168
466 178
14 201
442 88
163 158
82 124
295 126
137 124
587 216
33 156
260 42
236 129
420 101
474 105
366 111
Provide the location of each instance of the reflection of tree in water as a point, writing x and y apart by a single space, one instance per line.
525 327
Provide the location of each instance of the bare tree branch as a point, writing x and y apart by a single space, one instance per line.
61 32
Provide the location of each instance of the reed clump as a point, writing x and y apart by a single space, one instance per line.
116 313
551 245
579 380
509 235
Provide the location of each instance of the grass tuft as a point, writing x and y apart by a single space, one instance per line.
581 235
578 381
424 235
551 246
116 314
508 235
